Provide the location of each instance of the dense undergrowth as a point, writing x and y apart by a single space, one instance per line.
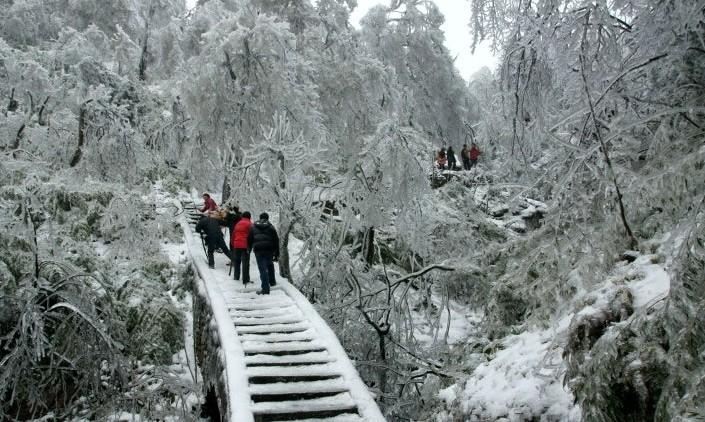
91 315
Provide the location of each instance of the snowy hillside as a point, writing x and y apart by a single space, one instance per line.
557 273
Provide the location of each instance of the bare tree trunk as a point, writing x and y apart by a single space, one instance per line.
285 222
381 334
13 104
143 61
368 245
41 118
145 52
633 243
81 135
226 190
18 136
284 268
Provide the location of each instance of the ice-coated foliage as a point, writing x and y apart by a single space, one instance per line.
579 234
59 295
601 129
684 328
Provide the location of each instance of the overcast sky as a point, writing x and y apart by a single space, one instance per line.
458 38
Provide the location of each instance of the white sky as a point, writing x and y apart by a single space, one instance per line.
458 37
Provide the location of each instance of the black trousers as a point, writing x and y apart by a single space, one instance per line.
216 243
241 260
265 265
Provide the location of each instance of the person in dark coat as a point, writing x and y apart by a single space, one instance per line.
239 247
264 240
214 237
232 216
451 158
465 156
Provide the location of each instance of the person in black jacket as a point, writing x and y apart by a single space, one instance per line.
214 237
232 216
264 240
451 158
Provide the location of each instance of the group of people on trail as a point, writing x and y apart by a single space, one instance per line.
446 160
246 237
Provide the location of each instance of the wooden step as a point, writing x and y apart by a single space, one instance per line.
336 385
266 312
236 305
322 370
268 359
284 319
342 403
277 294
306 335
289 346
340 418
273 328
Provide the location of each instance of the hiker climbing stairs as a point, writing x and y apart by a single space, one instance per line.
282 362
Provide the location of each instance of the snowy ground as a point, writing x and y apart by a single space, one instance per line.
524 379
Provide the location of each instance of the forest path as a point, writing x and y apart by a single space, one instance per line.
286 363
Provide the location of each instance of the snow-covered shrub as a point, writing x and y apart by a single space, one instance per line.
129 224
16 252
4 175
66 198
7 279
515 383
619 377
507 307
174 182
47 320
153 325
469 285
684 324
46 363
645 365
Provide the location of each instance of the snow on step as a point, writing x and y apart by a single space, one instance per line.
250 295
322 404
279 337
312 357
267 312
339 418
323 370
284 319
336 385
290 346
273 328
253 306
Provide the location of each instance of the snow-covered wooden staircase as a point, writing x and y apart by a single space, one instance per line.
286 363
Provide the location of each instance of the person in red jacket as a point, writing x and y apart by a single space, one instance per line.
474 154
239 246
208 204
